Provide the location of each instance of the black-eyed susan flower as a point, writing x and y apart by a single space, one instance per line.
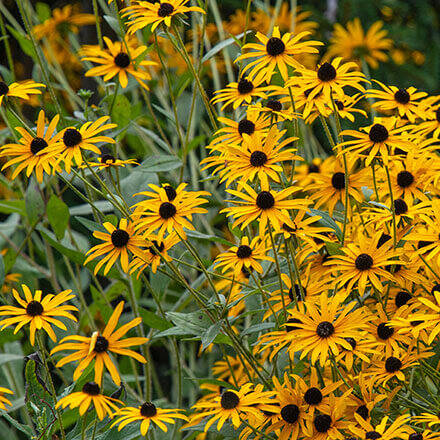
431 317
117 243
258 156
267 206
108 161
329 79
74 141
397 429
290 417
39 312
4 400
345 107
377 141
324 327
233 405
117 61
428 418
99 345
153 254
276 52
331 425
34 152
328 186
90 395
143 13
406 102
21 90
147 413
245 255
353 43
237 93
363 262
158 213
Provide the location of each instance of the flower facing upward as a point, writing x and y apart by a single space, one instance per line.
35 152
3 400
364 262
398 429
329 79
147 414
267 206
324 327
375 141
276 51
354 44
99 346
90 394
39 312
244 256
143 13
117 243
237 93
116 61
405 101
74 141
159 212
21 90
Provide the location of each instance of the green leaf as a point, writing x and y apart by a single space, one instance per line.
121 112
156 164
11 206
43 11
327 221
212 238
218 47
2 274
333 248
22 428
258 328
9 357
58 215
154 321
90 225
24 42
36 393
34 202
211 334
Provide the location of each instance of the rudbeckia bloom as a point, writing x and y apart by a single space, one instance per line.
153 254
90 394
364 262
21 90
276 51
375 141
143 13
147 414
266 206
237 93
35 152
324 327
99 346
117 243
115 61
329 79
3 400
353 43
39 312
245 255
234 405
74 141
108 161
158 212
430 419
398 429
405 101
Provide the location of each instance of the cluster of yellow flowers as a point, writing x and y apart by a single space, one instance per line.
323 309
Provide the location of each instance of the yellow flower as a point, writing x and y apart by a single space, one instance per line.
352 43
144 13
39 312
90 394
147 414
3 400
35 152
99 346
21 90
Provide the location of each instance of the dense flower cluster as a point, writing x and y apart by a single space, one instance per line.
320 304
